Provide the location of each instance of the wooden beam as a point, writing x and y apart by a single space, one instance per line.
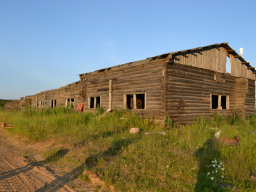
237 56
245 62
250 67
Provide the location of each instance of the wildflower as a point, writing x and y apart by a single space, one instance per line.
208 173
212 178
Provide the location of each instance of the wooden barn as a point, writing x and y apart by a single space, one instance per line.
181 85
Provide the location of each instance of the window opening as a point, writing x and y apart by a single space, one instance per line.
72 103
68 103
214 101
140 101
92 103
224 102
53 103
129 101
228 66
97 102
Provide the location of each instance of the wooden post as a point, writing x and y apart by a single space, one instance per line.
219 102
227 102
134 101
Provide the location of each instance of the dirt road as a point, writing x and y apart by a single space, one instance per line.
17 174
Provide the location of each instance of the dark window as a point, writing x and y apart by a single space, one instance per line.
97 102
214 101
55 103
51 103
224 102
140 101
129 101
72 103
92 103
68 102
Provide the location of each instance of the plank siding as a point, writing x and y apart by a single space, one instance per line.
192 75
144 78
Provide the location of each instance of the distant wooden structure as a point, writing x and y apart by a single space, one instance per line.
12 105
181 85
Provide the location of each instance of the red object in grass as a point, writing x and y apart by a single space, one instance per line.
80 107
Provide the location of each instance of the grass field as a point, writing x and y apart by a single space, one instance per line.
185 159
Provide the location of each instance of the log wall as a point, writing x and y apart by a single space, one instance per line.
138 78
72 91
195 86
177 84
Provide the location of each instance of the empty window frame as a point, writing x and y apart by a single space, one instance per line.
94 102
140 101
70 103
223 102
135 101
129 101
91 102
219 101
42 103
215 99
67 103
97 100
53 103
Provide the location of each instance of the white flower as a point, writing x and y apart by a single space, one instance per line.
212 178
208 173
222 169
216 171
222 176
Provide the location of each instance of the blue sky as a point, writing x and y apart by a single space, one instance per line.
45 44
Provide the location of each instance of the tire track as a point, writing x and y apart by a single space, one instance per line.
18 175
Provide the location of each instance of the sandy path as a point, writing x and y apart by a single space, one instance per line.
16 174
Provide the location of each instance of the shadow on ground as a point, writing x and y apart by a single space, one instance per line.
89 163
206 179
59 154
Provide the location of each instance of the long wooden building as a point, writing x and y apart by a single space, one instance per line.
181 85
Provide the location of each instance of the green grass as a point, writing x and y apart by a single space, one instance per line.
2 103
179 161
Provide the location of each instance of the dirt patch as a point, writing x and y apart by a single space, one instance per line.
21 169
